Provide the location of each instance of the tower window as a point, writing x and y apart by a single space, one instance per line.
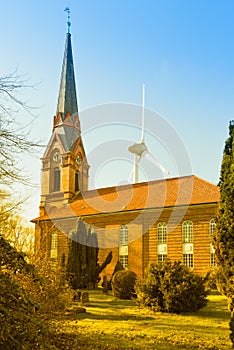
77 179
54 245
56 179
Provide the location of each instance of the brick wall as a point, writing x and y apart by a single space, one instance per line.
142 230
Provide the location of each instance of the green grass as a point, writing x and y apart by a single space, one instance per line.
115 324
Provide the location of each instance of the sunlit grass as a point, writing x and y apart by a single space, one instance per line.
115 324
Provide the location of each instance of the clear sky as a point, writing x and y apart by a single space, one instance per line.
182 50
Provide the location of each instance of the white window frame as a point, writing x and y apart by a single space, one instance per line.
187 232
162 257
124 260
54 245
212 227
162 233
212 260
123 245
123 235
188 260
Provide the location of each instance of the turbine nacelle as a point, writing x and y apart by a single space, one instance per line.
138 149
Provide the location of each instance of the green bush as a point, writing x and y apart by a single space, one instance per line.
123 284
21 323
171 287
21 326
118 267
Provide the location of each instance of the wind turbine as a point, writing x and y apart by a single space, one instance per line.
140 150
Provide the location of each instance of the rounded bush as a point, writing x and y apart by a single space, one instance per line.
171 287
123 284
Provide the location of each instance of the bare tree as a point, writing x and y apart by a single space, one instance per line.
14 137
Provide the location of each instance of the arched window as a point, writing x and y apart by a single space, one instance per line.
54 245
56 179
212 228
77 179
187 232
123 245
162 233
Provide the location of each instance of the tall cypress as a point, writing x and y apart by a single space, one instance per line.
82 268
224 236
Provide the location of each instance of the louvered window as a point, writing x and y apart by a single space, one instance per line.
56 179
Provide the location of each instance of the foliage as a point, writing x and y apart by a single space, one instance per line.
123 283
171 287
16 229
21 326
82 264
118 267
211 279
224 235
11 259
45 287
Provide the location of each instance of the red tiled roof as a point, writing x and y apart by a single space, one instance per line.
187 190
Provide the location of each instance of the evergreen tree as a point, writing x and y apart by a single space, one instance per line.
224 236
82 264
92 258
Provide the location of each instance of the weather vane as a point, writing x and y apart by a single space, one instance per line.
67 9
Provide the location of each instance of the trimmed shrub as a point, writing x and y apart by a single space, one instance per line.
118 267
123 284
171 287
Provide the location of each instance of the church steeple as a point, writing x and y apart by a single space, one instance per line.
65 169
67 100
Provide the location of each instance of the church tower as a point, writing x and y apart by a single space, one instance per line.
64 164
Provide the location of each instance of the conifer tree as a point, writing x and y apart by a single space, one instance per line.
224 236
82 265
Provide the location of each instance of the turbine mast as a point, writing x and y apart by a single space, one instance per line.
143 115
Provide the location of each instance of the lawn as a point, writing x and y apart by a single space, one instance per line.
116 324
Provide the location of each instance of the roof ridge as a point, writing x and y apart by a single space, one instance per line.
209 182
136 185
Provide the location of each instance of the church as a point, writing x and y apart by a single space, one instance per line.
140 223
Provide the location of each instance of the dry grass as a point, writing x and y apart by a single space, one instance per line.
115 324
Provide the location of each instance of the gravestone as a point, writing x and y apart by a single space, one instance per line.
85 298
77 295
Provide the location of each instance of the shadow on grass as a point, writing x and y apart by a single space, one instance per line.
103 341
215 309
110 315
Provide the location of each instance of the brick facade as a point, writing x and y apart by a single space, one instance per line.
142 239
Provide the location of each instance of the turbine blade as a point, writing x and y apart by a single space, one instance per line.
153 160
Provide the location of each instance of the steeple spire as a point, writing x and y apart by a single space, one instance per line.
67 100
67 9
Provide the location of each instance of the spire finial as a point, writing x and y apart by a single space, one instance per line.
67 9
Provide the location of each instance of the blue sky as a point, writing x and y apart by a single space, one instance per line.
182 50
